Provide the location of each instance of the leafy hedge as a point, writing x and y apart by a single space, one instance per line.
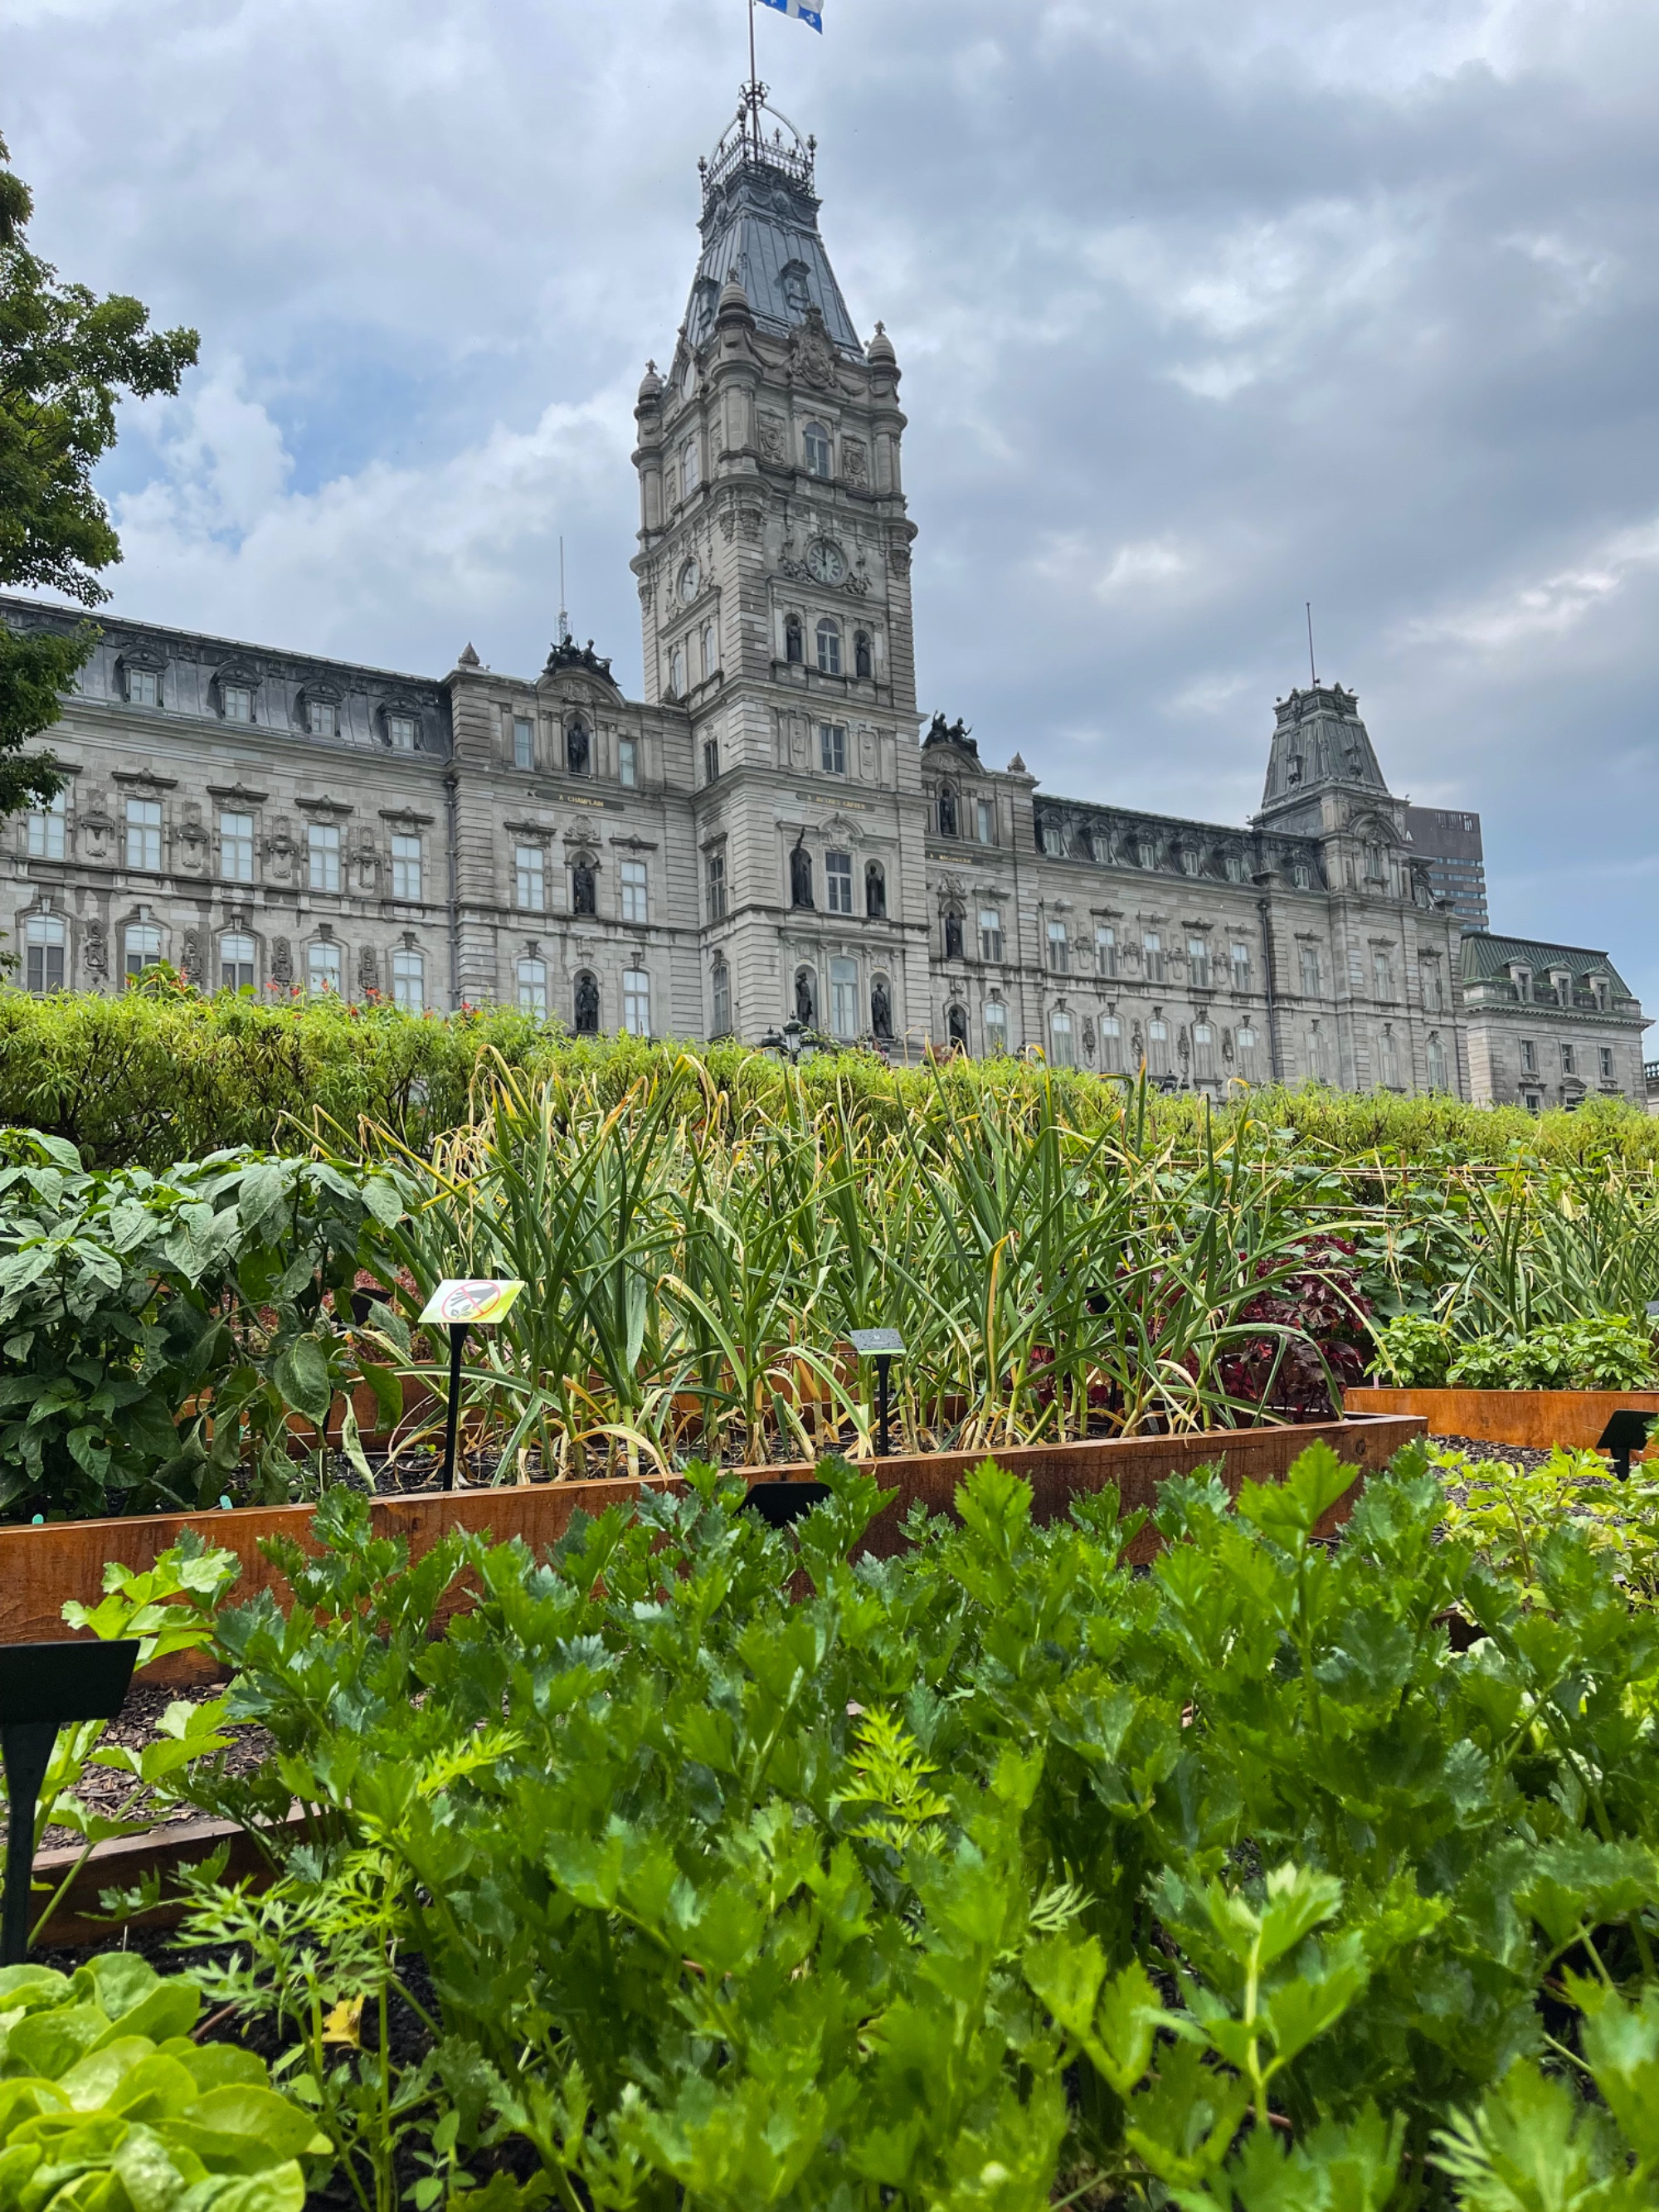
164 1073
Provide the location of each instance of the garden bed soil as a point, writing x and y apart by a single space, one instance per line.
1538 1419
42 1567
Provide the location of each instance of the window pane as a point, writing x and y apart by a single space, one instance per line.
239 702
142 687
406 868
828 648
530 879
844 999
323 854
715 878
1059 951
322 718
1111 1044
400 729
720 994
990 932
817 450
236 848
1105 950
236 961
323 966
532 988
44 943
985 821
838 882
143 947
145 834
409 981
632 892
832 748
45 830
996 1026
627 761
636 1002
1065 1049
524 742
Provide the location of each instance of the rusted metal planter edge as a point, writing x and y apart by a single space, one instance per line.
1532 1418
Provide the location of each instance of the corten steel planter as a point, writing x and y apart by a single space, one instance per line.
1535 1419
42 1567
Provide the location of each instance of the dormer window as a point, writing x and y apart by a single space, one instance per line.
1146 853
238 701
1563 984
400 732
322 718
1521 979
1189 860
816 440
144 687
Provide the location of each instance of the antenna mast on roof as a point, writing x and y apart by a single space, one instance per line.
1313 672
564 617
754 92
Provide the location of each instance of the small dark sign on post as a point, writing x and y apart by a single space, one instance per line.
44 1687
1626 1432
884 1345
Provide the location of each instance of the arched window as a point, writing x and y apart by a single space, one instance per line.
408 980
792 647
719 980
43 937
143 947
864 661
947 810
583 889
955 1023
953 934
1064 1046
711 650
636 1002
1437 1061
875 890
817 441
532 988
237 956
588 1004
578 748
322 967
1157 1047
691 467
829 648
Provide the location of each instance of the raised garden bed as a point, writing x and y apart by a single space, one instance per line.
1534 1419
42 1567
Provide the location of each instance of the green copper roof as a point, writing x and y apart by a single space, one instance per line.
1486 957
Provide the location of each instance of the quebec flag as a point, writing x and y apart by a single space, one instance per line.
812 16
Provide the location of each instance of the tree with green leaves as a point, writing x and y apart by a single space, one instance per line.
65 358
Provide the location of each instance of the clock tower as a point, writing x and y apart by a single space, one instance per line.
773 573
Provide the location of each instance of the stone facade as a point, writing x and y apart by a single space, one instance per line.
762 836
1549 1024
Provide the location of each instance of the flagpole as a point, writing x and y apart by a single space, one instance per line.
753 111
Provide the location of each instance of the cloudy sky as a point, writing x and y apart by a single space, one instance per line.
1205 308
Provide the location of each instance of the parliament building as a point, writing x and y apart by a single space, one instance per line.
774 833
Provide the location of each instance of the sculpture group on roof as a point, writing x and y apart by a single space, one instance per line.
566 654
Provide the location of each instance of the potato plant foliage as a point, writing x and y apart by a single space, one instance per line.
748 1871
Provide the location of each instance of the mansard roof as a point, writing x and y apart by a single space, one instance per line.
760 223
1486 958
1319 743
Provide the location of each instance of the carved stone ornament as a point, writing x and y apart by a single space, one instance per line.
368 969
281 853
94 949
191 966
811 357
1089 1036
898 557
281 961
773 438
855 463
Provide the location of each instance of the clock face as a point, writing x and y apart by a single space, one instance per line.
690 577
825 563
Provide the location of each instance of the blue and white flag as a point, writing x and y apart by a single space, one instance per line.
813 17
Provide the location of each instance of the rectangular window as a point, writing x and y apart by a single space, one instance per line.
1604 1055
636 1002
141 947
236 962
627 762
400 731
406 869
1241 966
1310 961
524 741
838 882
530 879
719 986
143 690
844 999
45 830
1151 948
1065 1045
236 848
985 821
145 834
1382 974
239 702
1111 1044
1203 1052
996 1026
532 988
711 650
409 981
1157 1047
323 855
323 967
714 884
990 932
632 877
1528 1057
1105 949
1247 1049
322 718
832 748
1060 952
1568 1066
711 760
1198 963
43 971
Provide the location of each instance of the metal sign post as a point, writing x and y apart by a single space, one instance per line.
459 1306
42 1687
1625 1432
884 1345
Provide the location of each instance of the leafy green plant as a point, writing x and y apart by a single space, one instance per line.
106 2100
1507 1513
1413 1352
